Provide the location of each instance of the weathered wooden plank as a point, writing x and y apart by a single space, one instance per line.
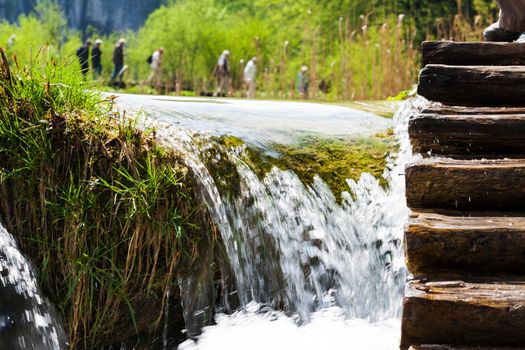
473 53
448 347
455 110
473 85
454 135
443 183
436 243
466 314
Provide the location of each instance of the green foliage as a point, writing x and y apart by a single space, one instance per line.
360 49
46 27
103 210
347 51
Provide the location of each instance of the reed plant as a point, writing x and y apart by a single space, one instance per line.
355 49
106 213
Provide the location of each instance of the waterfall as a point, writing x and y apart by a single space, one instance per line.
27 320
305 267
294 248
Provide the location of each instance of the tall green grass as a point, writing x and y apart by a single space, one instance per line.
104 211
360 49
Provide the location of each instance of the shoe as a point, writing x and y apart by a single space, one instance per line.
495 33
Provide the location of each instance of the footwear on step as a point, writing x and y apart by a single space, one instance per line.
495 33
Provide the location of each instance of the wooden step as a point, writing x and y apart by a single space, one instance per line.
448 347
436 243
489 136
461 313
455 110
444 183
473 53
473 85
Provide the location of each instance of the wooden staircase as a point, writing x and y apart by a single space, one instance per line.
465 240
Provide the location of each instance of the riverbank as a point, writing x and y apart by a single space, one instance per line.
107 215
118 223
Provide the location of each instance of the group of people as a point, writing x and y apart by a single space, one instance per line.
222 73
85 52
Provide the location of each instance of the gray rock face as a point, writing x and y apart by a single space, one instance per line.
105 15
10 9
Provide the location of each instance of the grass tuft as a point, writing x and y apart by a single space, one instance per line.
104 211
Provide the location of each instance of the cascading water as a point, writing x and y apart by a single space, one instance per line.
328 266
308 272
27 320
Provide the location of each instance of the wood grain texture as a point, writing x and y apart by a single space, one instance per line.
466 314
473 53
455 110
473 85
489 136
437 243
443 183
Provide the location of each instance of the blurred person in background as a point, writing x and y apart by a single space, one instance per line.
96 54
302 82
222 72
250 72
118 60
155 77
11 41
83 57
511 22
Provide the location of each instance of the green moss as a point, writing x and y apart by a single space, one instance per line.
334 160
337 160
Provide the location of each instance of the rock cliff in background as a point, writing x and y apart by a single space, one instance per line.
10 9
104 15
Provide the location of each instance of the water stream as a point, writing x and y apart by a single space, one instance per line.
307 271
27 320
310 273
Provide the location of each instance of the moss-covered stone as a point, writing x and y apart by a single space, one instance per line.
334 160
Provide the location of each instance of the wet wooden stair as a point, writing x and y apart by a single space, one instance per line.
465 240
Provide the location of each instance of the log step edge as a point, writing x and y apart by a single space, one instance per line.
444 183
463 313
487 136
435 244
473 85
472 53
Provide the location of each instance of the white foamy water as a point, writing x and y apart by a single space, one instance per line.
27 320
334 270
327 329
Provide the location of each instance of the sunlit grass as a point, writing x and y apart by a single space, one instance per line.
106 213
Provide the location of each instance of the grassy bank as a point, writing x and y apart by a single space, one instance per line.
108 215
105 212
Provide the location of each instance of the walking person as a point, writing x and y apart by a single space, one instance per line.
222 71
96 64
155 77
511 22
302 82
250 72
83 57
118 60
11 41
